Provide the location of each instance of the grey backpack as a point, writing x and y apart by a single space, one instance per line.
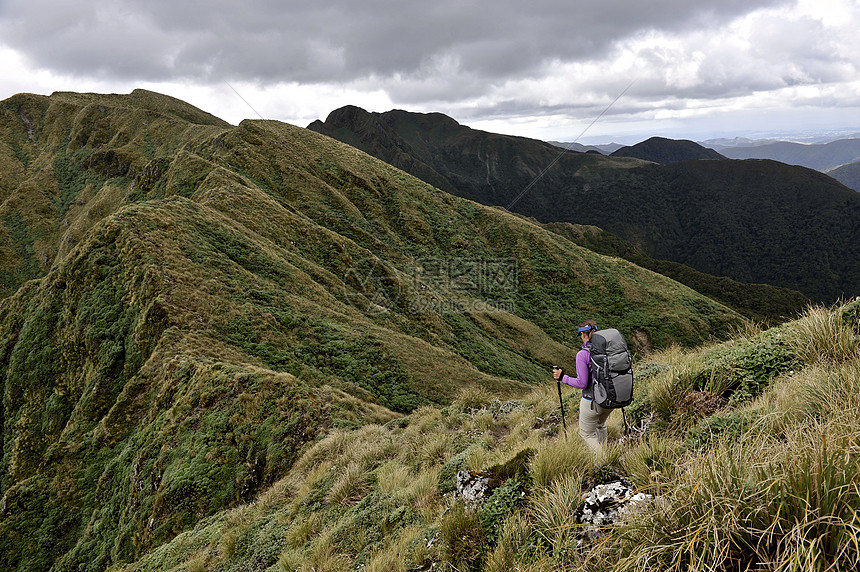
611 369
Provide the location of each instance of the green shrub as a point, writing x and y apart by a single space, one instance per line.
71 179
724 427
499 506
742 371
851 315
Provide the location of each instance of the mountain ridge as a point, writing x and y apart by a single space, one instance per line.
647 201
665 151
848 175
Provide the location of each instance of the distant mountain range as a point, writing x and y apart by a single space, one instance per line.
754 221
821 157
828 156
604 149
817 139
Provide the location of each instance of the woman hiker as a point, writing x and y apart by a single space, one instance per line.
592 417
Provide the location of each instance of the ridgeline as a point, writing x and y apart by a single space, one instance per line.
753 221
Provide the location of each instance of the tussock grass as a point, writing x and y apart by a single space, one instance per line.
398 554
351 483
392 476
821 391
664 389
302 530
747 330
196 565
472 398
307 483
764 504
541 401
436 450
422 421
485 421
560 458
551 511
478 458
290 561
462 538
323 556
422 492
834 390
331 447
822 334
514 540
655 463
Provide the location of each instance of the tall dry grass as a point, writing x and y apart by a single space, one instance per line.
823 335
560 458
761 503
551 514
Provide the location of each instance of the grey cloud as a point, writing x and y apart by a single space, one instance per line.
270 41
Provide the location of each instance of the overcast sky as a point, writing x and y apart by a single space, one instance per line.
546 68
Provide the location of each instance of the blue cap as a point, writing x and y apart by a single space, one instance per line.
587 328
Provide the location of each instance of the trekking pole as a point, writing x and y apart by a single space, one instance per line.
561 404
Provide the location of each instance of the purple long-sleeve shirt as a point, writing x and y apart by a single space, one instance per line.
583 370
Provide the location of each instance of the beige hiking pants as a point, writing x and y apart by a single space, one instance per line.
592 424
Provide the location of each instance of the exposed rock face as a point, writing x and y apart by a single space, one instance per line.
607 504
472 487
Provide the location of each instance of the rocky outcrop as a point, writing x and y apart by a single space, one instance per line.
607 504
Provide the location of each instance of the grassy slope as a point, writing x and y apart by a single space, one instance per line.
68 160
202 313
739 219
753 456
759 302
